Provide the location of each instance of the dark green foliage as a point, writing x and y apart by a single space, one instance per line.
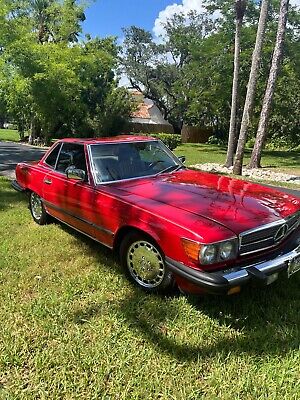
111 118
51 83
169 139
189 74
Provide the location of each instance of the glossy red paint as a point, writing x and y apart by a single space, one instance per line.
198 206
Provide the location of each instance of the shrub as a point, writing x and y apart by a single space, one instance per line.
215 140
169 139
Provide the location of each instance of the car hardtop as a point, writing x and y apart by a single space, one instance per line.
112 139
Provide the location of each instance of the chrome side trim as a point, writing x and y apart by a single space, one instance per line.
98 227
83 233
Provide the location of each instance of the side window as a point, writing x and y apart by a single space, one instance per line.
71 154
51 159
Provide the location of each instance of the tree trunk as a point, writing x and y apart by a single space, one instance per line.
238 163
35 131
177 125
240 6
21 131
269 93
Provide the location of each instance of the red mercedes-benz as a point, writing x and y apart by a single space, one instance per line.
170 225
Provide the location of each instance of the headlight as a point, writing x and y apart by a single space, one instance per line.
208 254
218 252
226 249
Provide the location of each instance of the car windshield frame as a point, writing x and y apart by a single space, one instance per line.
177 163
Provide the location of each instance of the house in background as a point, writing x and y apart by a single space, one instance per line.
147 118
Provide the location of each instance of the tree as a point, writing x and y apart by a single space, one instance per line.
270 89
51 82
240 7
248 107
157 69
112 115
188 73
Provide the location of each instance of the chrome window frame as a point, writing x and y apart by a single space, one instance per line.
54 147
53 169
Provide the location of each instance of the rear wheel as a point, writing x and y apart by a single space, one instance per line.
37 209
144 263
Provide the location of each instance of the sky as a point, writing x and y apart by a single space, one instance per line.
108 17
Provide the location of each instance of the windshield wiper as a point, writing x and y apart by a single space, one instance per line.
170 168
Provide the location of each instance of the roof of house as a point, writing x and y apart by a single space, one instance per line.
143 111
146 112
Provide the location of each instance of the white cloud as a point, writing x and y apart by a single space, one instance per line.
169 11
185 7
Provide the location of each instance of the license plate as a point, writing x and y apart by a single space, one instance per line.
293 266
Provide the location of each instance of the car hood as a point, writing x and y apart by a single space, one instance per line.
233 203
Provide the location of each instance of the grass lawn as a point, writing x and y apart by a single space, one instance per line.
9 134
72 327
284 161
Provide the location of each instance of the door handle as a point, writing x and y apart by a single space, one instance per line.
47 181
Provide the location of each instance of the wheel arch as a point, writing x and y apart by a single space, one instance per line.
127 229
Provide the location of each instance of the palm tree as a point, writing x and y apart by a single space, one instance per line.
240 8
269 93
238 162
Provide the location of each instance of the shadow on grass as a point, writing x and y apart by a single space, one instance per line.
261 321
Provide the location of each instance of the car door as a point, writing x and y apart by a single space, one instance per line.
68 199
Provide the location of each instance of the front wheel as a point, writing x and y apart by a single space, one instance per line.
37 209
144 264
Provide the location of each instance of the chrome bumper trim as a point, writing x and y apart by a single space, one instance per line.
267 268
219 282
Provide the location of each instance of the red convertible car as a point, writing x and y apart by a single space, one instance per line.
170 225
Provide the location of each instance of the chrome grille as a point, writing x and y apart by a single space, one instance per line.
293 221
268 235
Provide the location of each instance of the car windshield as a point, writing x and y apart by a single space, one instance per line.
118 161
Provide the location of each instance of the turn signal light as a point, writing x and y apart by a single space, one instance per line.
191 249
233 290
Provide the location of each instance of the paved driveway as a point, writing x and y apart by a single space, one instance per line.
12 153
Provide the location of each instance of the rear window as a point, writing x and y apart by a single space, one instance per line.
51 159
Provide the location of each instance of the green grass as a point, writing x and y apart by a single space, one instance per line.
285 161
72 327
10 135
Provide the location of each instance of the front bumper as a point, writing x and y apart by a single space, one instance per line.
220 282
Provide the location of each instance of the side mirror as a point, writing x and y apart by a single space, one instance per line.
182 159
75 173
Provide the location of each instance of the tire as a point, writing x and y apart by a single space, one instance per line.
37 209
144 264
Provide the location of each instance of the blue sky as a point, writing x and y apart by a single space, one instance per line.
108 17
